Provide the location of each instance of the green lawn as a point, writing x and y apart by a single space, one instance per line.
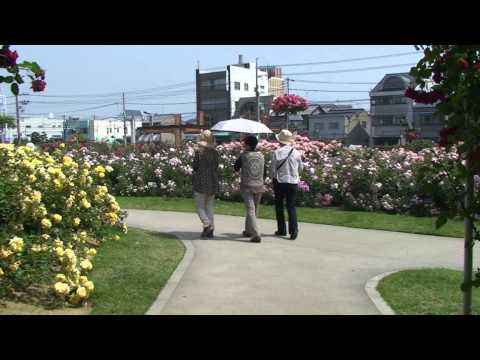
426 292
129 273
355 219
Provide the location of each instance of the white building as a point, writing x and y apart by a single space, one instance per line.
101 130
218 92
50 125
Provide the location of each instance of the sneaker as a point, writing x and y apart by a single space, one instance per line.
279 233
293 236
256 239
246 234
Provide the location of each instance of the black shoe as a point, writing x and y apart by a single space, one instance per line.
293 236
279 233
203 235
256 239
209 234
244 233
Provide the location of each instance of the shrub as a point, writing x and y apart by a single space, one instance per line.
55 213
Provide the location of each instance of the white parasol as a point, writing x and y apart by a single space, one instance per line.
242 126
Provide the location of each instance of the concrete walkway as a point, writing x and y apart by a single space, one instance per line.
324 271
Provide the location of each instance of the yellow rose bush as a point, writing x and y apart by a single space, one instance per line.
55 211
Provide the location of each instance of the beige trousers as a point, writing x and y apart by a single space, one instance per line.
205 204
252 204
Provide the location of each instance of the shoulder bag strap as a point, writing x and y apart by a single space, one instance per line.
284 160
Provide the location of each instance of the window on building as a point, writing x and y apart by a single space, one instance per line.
333 125
236 85
262 87
388 100
28 126
245 86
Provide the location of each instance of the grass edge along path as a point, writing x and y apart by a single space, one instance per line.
130 273
327 216
426 292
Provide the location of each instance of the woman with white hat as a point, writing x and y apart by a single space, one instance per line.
285 171
205 180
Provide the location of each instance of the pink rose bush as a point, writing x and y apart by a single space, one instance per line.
367 179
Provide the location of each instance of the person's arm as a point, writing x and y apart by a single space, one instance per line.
300 163
273 165
196 161
238 164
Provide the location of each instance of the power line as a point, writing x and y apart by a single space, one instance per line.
348 60
180 103
337 82
329 61
349 70
332 91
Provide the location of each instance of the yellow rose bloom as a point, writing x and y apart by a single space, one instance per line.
87 164
85 172
76 221
50 160
70 255
91 252
99 169
37 197
47 224
32 178
86 265
89 286
86 204
60 278
109 168
36 248
82 292
83 235
58 242
61 146
59 251
45 237
83 280
67 161
89 180
1 272
116 237
57 218
16 244
44 247
82 193
61 288
51 170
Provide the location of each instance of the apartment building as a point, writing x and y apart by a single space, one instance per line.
218 92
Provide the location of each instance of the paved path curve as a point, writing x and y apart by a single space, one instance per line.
323 272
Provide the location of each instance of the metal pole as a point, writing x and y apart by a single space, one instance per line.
468 247
133 124
124 121
18 120
257 93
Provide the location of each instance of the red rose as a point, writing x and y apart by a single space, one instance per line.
38 85
8 58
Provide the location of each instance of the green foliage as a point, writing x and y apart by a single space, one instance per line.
7 120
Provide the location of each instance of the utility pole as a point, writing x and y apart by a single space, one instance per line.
257 93
133 124
18 119
124 121
64 127
288 93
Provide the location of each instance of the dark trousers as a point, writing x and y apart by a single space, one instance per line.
284 191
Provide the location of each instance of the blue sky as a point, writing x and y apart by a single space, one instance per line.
99 70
